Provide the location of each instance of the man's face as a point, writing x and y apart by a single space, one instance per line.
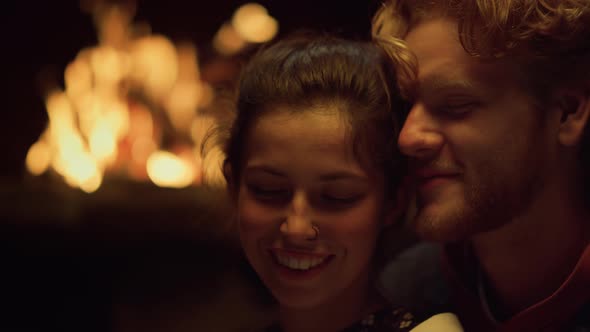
479 150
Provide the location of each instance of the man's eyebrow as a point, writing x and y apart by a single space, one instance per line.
437 83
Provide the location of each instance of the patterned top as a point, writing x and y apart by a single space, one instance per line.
384 320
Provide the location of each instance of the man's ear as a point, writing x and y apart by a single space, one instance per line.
575 110
396 207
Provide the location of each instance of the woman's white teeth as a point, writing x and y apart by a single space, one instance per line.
299 263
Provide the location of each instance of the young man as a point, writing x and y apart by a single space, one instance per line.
499 151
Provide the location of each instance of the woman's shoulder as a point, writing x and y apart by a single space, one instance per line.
400 320
386 319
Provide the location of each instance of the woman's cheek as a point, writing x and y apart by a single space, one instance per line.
363 219
252 217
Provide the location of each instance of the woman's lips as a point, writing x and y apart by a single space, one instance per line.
298 264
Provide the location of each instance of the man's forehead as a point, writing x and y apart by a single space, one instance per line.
483 80
443 63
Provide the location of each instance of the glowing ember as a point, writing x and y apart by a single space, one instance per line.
254 24
103 144
166 169
81 171
154 65
38 158
251 23
228 41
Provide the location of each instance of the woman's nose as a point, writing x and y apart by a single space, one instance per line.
297 224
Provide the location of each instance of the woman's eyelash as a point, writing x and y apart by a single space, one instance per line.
267 191
278 194
341 199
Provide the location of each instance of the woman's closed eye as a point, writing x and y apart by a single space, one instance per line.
340 200
268 193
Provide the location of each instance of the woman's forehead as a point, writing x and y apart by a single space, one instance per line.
308 130
319 143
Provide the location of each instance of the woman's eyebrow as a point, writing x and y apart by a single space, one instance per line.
344 175
263 169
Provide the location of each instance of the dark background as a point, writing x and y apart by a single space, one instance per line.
129 257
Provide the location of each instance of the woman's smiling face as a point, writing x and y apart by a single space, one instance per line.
300 173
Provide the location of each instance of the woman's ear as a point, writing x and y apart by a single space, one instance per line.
227 171
228 175
575 110
396 207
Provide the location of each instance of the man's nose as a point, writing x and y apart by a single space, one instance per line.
298 224
420 136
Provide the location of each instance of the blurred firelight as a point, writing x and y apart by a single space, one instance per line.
38 158
166 169
254 24
122 96
250 23
227 41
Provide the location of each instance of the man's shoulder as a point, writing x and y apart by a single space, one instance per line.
415 279
582 319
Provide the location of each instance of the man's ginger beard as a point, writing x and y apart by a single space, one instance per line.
490 199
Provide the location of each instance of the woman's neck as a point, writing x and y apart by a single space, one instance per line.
334 315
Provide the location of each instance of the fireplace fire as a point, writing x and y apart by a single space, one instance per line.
135 106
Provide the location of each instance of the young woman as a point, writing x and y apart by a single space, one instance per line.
314 173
